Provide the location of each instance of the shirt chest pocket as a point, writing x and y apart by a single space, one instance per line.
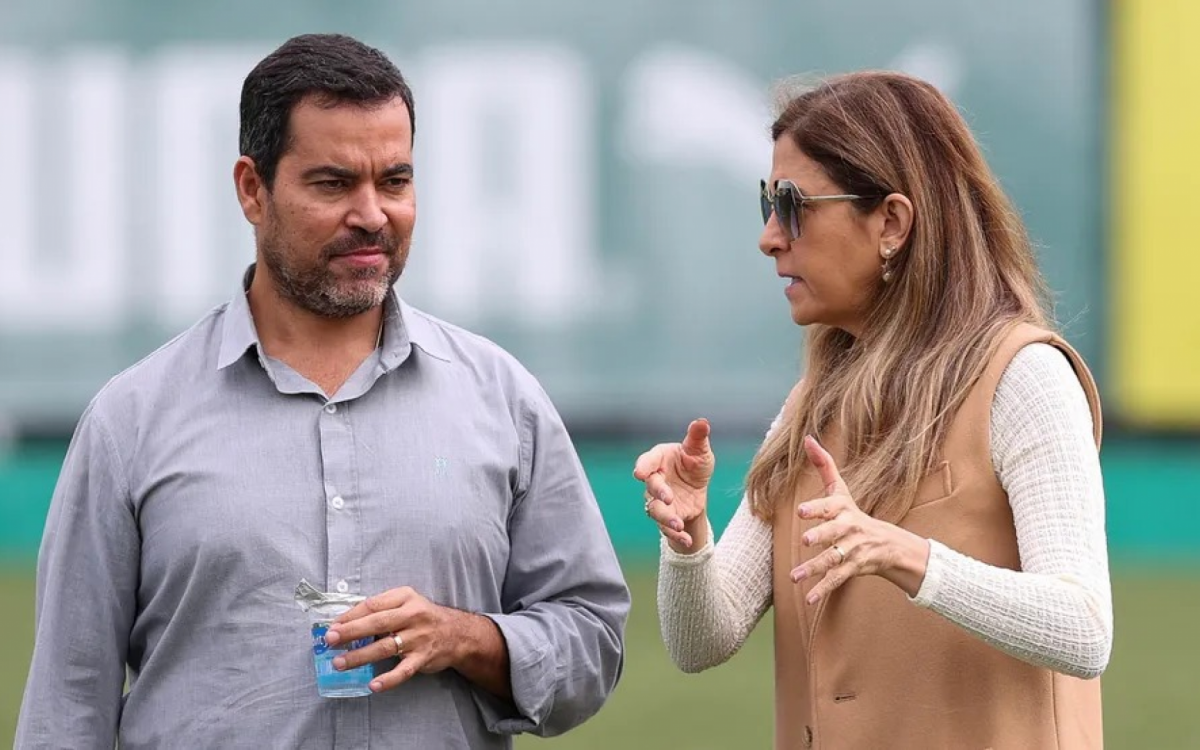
449 502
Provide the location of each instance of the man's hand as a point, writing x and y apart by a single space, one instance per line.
426 637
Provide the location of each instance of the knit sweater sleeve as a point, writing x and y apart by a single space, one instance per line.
1056 611
710 601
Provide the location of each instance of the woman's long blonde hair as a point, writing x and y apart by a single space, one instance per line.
964 276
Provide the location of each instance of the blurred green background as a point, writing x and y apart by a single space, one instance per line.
612 153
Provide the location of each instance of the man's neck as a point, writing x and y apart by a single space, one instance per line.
325 350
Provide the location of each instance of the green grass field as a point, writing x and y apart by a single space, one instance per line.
1150 690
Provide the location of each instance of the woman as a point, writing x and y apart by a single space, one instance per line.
926 513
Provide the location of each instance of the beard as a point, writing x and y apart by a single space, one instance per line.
319 289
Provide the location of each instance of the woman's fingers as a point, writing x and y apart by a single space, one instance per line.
691 459
658 488
662 513
836 556
820 458
682 538
825 534
826 507
653 460
669 468
832 580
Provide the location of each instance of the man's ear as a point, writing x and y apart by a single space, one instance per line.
251 191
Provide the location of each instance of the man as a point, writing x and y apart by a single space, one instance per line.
318 427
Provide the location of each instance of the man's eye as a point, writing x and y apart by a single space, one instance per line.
331 185
397 183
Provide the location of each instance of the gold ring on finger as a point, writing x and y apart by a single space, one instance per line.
841 553
399 644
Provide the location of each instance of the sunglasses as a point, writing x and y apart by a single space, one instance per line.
786 201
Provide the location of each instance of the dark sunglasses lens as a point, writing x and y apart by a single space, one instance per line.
783 205
785 210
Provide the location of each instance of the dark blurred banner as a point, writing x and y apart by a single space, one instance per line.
587 177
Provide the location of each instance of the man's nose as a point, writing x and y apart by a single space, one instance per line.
367 212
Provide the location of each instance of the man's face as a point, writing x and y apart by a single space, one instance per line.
335 230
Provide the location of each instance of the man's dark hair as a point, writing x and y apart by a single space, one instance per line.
331 67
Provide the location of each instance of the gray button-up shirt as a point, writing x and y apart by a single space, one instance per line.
204 482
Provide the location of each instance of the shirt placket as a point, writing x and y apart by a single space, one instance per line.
343 534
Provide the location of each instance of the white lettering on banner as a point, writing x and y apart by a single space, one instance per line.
65 185
202 241
16 192
510 216
508 203
688 108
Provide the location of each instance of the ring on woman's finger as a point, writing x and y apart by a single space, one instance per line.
650 500
841 553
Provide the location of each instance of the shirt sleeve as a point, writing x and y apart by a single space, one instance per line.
1056 611
86 597
565 602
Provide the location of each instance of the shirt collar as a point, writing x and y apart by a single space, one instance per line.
237 331
404 327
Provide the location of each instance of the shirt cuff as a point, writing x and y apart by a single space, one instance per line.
935 574
679 560
532 676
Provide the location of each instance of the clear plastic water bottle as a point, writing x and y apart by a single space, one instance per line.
349 683
325 607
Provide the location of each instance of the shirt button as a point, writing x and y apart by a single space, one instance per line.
331 408
338 503
343 587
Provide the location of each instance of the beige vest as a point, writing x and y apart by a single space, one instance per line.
866 668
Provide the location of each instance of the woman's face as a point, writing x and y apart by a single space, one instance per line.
834 268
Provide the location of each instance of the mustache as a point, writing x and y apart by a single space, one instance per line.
360 240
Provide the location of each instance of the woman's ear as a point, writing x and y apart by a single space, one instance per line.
897 212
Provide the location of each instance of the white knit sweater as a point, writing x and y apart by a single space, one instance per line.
1055 612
